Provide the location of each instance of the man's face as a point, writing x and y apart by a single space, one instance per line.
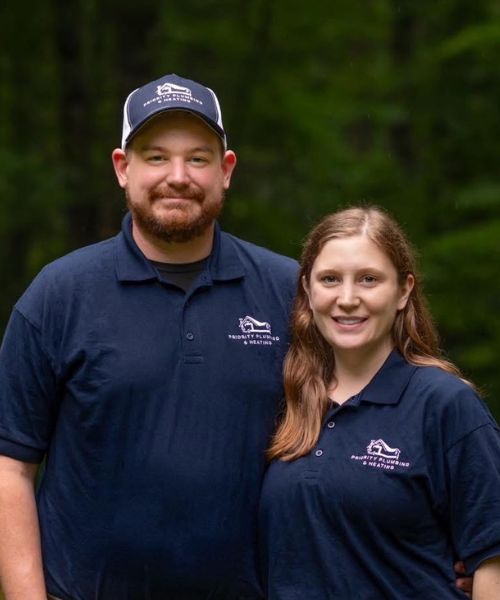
174 174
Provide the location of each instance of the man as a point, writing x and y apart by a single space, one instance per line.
147 370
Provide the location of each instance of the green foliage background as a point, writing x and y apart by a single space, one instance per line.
326 104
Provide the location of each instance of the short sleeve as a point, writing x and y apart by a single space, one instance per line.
473 472
27 392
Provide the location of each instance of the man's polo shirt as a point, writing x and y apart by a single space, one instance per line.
404 479
154 409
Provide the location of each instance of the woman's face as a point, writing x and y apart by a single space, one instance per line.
354 295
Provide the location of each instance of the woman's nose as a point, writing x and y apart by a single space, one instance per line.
347 295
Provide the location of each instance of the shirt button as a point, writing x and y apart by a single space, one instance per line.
318 452
331 424
190 336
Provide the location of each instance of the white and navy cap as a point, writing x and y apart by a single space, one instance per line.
170 92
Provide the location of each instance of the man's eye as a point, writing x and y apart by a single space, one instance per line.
155 158
199 160
369 279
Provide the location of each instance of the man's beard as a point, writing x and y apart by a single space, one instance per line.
175 230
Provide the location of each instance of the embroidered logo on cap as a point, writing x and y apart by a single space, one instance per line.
170 92
172 88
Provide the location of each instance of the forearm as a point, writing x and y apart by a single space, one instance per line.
21 571
486 584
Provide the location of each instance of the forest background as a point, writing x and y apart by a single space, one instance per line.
326 104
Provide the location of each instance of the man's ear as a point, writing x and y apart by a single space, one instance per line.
120 164
228 164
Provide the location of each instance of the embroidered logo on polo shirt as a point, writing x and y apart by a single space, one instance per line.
379 455
380 448
254 332
250 325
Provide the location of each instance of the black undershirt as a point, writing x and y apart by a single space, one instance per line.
182 274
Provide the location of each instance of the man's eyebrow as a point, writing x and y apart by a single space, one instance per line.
156 148
149 147
207 149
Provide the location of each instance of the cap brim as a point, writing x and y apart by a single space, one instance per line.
212 125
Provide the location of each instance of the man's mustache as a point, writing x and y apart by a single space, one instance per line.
166 192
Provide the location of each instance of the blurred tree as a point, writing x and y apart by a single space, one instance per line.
391 102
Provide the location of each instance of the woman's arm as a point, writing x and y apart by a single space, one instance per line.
21 571
487 580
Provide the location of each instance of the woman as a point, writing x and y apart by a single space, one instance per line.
386 464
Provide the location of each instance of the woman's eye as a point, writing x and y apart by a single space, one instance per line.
329 279
369 279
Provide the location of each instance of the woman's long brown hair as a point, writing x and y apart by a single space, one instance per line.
310 363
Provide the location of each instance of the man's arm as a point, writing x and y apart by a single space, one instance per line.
21 571
487 580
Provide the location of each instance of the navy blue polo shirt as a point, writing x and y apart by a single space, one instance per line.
404 479
154 409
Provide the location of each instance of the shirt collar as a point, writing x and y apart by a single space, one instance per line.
225 263
390 382
132 265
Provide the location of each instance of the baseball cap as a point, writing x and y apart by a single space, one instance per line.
170 92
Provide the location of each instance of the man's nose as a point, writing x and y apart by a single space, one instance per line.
177 174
